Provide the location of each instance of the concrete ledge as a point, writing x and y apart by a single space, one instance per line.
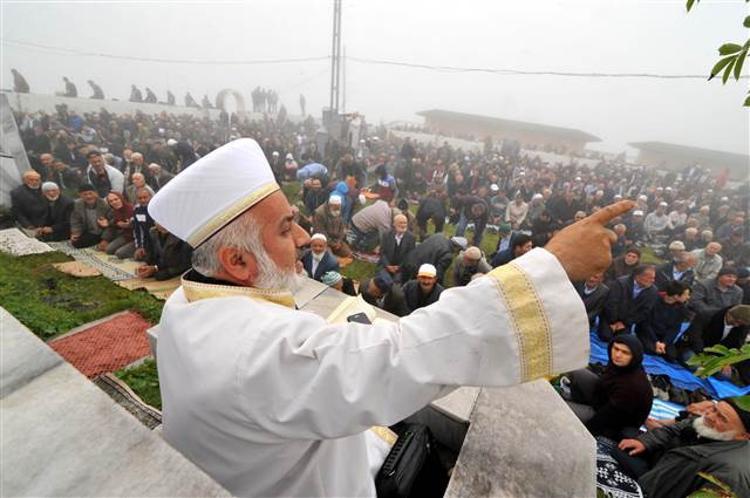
63 436
24 356
524 441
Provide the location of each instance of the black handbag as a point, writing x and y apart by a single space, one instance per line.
412 468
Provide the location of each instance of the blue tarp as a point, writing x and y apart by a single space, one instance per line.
680 376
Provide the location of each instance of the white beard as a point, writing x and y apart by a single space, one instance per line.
271 277
710 433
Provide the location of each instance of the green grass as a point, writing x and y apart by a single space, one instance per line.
649 258
144 381
51 303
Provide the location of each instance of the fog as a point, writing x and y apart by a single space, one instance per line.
618 36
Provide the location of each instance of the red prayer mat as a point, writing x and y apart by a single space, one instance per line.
106 347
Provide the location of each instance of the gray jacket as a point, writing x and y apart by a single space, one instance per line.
708 299
78 216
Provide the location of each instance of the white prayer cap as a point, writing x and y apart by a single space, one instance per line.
319 236
275 153
537 196
668 189
637 212
335 199
642 198
618 197
171 142
213 191
289 156
663 204
427 270
494 187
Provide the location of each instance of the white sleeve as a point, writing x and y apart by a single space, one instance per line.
520 322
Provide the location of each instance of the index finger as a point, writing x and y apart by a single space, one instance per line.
608 213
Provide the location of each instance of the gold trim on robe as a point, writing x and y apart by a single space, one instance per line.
529 321
195 291
218 222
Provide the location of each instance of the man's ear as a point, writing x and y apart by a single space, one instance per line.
237 265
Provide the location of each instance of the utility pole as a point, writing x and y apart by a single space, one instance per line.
343 83
336 57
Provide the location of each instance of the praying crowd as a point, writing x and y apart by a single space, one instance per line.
431 216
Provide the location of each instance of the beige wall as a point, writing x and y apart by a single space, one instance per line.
450 127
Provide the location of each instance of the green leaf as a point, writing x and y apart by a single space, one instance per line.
747 22
738 64
690 4
718 348
719 66
728 71
715 481
743 402
729 48
747 101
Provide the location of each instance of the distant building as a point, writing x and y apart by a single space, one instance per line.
528 134
675 157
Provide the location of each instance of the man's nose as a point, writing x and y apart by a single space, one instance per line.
301 237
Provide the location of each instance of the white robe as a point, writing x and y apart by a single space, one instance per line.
271 401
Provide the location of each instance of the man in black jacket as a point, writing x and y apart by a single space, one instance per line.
437 250
57 222
28 205
396 246
666 461
728 327
658 332
168 256
423 291
630 301
431 207
593 294
380 291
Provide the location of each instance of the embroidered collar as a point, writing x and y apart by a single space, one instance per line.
196 287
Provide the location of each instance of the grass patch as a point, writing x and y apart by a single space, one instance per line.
50 302
144 381
648 257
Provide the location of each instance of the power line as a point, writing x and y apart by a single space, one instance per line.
512 72
361 60
69 51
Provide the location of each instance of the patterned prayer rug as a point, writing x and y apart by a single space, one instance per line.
111 267
16 243
609 478
107 346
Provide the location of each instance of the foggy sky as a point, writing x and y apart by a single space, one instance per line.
583 35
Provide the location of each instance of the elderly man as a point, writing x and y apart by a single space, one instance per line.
629 303
272 401
28 205
318 260
709 296
708 261
657 223
158 176
467 264
138 182
667 460
679 269
423 291
594 294
56 224
396 246
102 176
88 221
327 220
